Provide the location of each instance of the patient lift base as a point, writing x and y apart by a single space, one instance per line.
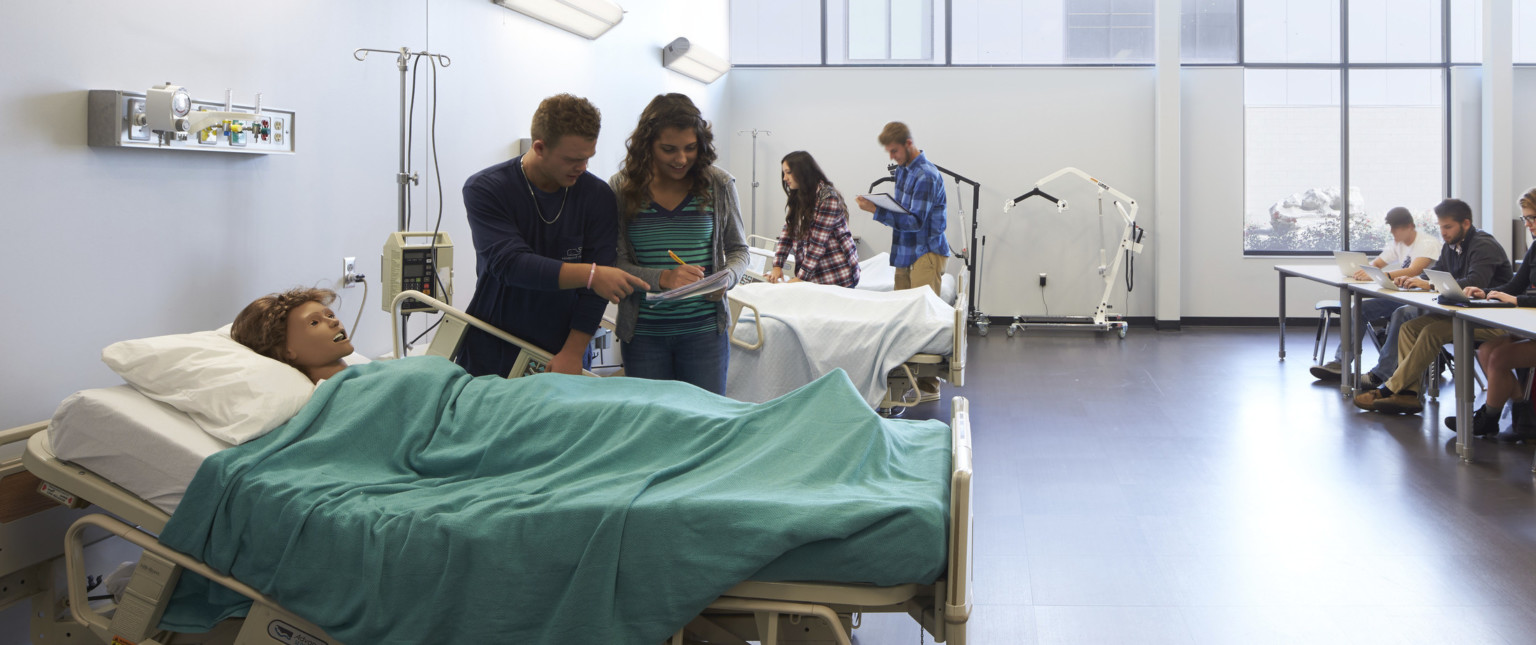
1110 323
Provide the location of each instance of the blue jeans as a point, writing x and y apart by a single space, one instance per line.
1371 309
1386 364
700 359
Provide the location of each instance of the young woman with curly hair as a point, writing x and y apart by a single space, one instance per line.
672 200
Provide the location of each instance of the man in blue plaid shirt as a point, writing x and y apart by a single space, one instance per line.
918 248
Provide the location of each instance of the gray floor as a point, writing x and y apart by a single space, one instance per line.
1187 487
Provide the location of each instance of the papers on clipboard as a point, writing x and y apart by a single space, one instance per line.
884 200
711 284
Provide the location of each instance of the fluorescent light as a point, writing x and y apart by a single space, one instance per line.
695 62
586 18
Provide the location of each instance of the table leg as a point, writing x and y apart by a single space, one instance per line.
1356 342
1282 314
1461 334
1346 345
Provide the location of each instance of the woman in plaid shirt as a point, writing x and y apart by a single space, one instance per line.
815 228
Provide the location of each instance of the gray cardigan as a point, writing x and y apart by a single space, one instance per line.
729 252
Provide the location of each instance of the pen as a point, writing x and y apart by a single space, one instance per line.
678 259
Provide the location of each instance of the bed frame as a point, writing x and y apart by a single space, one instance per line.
770 613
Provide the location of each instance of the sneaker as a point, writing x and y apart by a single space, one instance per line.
1329 371
1483 423
1369 379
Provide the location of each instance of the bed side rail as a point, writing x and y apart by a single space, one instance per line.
450 335
962 322
149 590
957 601
736 305
762 242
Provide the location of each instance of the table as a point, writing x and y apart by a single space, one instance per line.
1517 321
1327 274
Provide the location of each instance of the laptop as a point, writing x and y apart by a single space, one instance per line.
1381 278
1349 262
1451 294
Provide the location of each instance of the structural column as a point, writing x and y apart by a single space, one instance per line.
1499 192
1166 230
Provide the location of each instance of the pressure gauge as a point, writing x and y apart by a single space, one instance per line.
181 103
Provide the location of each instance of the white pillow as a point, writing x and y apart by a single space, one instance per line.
232 392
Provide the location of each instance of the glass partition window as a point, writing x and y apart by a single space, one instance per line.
1291 31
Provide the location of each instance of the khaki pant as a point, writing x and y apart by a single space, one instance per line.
1418 343
926 271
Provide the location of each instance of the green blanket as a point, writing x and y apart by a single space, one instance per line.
411 503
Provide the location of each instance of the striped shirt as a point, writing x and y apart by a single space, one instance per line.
686 231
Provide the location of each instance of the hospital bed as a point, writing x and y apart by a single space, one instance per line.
137 453
755 329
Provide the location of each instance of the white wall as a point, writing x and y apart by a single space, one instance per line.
110 244
1005 128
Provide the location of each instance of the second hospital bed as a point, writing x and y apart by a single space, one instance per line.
784 336
149 456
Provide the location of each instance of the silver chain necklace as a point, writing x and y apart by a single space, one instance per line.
539 209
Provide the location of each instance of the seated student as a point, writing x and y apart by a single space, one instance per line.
1504 354
1476 260
1409 255
815 227
296 327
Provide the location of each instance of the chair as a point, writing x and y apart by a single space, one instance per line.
1327 311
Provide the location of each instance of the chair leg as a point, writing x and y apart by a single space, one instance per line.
1321 341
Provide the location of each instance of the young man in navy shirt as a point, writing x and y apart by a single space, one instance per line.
545 235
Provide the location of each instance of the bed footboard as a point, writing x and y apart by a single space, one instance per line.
760 610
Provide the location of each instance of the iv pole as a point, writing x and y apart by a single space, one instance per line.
754 132
403 64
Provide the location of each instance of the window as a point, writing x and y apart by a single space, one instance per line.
775 32
1291 175
974 32
1208 31
1118 31
1342 127
902 32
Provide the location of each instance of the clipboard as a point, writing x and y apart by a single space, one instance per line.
884 200
711 284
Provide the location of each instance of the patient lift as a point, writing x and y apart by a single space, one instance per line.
1130 242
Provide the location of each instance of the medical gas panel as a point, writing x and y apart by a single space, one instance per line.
417 261
167 118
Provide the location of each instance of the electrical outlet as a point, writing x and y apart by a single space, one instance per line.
348 272
1042 280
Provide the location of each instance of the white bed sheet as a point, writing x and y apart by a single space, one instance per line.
811 329
147 447
877 274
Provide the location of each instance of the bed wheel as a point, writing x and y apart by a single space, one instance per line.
1011 331
981 329
1122 331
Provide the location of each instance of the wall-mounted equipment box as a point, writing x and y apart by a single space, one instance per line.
116 119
